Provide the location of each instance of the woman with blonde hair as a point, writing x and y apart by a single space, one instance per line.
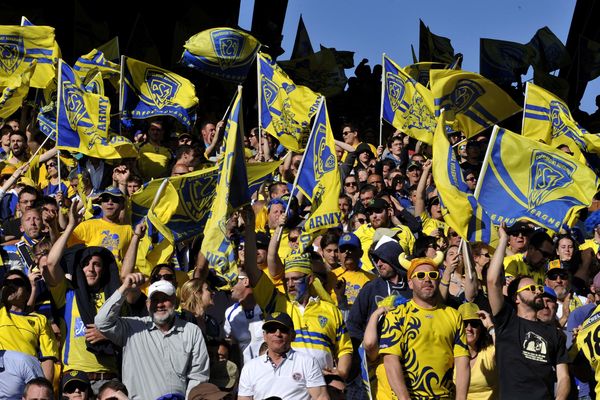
196 297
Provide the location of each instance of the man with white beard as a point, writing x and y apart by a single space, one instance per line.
162 354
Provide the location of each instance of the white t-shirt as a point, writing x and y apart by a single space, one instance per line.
237 323
16 369
290 380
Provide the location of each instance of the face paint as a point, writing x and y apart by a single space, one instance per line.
301 287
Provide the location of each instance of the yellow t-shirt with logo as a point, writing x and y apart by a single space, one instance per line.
74 351
515 266
27 333
365 234
355 280
98 232
588 341
426 341
430 224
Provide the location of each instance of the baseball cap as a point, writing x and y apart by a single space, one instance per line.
519 226
413 164
363 148
468 311
262 240
550 293
377 204
349 239
278 318
161 286
74 376
111 191
206 391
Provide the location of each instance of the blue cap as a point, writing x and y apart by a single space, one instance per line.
349 239
111 190
550 293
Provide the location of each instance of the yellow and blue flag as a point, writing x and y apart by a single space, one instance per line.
81 117
472 102
20 45
546 118
407 104
285 108
460 209
13 94
222 53
93 82
96 60
420 71
231 193
148 91
319 179
502 61
525 179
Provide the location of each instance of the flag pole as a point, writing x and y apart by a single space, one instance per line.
259 103
121 83
486 161
295 185
525 103
382 94
58 168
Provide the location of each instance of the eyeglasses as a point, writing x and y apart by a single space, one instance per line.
361 220
106 199
293 239
51 165
350 184
346 133
475 323
433 275
452 234
163 277
41 253
519 233
486 255
532 288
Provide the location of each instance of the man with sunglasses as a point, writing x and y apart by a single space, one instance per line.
559 280
281 371
423 340
531 356
533 261
108 231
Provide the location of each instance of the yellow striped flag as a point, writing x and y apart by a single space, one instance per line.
285 108
14 93
20 45
472 102
407 104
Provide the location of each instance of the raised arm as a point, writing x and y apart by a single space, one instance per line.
48 155
420 198
254 273
371 338
496 273
13 178
54 274
274 262
131 254
471 287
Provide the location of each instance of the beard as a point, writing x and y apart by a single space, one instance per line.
537 303
164 318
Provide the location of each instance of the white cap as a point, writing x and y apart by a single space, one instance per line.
161 286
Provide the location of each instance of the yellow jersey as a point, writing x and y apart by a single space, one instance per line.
153 161
430 224
320 328
27 333
355 280
515 266
365 234
427 340
75 355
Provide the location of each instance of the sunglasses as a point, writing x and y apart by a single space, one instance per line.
163 277
51 165
532 288
433 275
350 184
272 329
558 274
486 255
106 199
293 239
16 282
346 133
361 220
475 323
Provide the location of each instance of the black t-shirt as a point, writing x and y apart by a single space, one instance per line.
527 353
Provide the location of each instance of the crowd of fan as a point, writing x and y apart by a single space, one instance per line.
390 302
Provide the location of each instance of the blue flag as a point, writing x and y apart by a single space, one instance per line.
525 179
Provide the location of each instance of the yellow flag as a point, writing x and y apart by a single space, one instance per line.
548 119
13 94
286 108
407 104
23 44
472 102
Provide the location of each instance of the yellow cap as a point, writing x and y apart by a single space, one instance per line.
468 311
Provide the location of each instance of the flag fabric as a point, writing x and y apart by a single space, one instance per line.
93 82
546 118
502 61
82 117
588 61
433 47
343 58
407 104
25 21
302 46
20 45
550 53
319 71
13 94
148 91
285 108
460 208
95 59
222 53
525 179
47 121
259 173
420 71
471 101
319 179
231 193
111 49
553 84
